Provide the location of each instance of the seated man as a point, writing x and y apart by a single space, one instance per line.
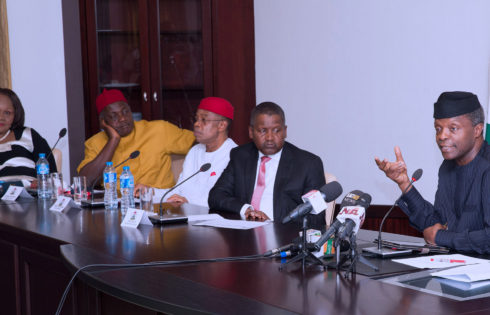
460 216
155 140
213 119
265 179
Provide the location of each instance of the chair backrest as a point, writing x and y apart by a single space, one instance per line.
58 158
177 164
331 205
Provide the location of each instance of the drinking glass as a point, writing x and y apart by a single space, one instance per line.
80 188
57 184
146 199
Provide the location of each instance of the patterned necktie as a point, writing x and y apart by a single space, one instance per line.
259 189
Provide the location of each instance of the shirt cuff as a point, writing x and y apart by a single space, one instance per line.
445 238
410 200
243 209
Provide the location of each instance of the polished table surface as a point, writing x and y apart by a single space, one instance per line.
95 236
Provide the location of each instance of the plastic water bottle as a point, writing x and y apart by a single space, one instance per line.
44 189
126 182
110 187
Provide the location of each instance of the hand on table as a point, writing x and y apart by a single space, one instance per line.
178 199
255 215
138 188
431 232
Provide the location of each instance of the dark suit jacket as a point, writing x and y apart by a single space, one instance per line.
298 172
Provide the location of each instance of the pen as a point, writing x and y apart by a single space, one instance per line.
449 260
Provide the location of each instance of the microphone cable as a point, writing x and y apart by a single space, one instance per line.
109 267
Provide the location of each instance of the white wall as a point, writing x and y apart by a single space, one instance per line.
356 78
38 68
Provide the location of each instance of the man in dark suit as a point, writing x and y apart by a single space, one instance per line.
266 178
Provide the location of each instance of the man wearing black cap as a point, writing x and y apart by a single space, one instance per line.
460 216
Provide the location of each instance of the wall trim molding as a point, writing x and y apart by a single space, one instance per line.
5 74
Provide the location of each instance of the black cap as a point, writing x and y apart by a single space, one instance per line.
452 104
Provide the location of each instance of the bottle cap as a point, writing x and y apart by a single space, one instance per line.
108 163
125 168
42 155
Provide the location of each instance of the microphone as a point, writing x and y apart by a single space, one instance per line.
353 216
159 219
133 155
356 199
60 135
315 201
388 252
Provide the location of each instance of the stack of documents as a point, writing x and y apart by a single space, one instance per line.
420 247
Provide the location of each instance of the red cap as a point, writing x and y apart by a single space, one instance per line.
217 105
108 97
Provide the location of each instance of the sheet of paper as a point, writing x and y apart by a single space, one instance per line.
232 224
204 217
439 261
469 273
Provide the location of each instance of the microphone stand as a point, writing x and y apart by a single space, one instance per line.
354 257
379 250
161 218
61 135
304 254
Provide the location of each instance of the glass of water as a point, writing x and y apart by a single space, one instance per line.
146 199
79 188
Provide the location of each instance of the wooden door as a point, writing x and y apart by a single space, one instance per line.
181 57
116 47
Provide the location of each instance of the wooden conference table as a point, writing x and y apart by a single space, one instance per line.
40 249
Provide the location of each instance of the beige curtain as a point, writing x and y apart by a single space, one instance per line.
4 47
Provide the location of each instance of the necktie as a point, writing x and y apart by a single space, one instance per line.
260 187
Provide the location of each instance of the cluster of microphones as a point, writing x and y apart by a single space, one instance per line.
347 223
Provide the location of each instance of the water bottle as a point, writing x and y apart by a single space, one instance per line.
44 190
110 187
126 182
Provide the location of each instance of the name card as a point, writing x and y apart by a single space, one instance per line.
14 192
62 203
134 217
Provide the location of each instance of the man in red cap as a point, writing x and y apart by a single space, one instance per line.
155 140
212 122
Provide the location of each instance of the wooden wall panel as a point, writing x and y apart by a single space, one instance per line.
5 79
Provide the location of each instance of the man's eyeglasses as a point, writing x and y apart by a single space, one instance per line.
204 120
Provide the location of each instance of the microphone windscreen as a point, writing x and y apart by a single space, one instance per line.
331 191
417 174
365 200
134 154
205 167
352 199
62 133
